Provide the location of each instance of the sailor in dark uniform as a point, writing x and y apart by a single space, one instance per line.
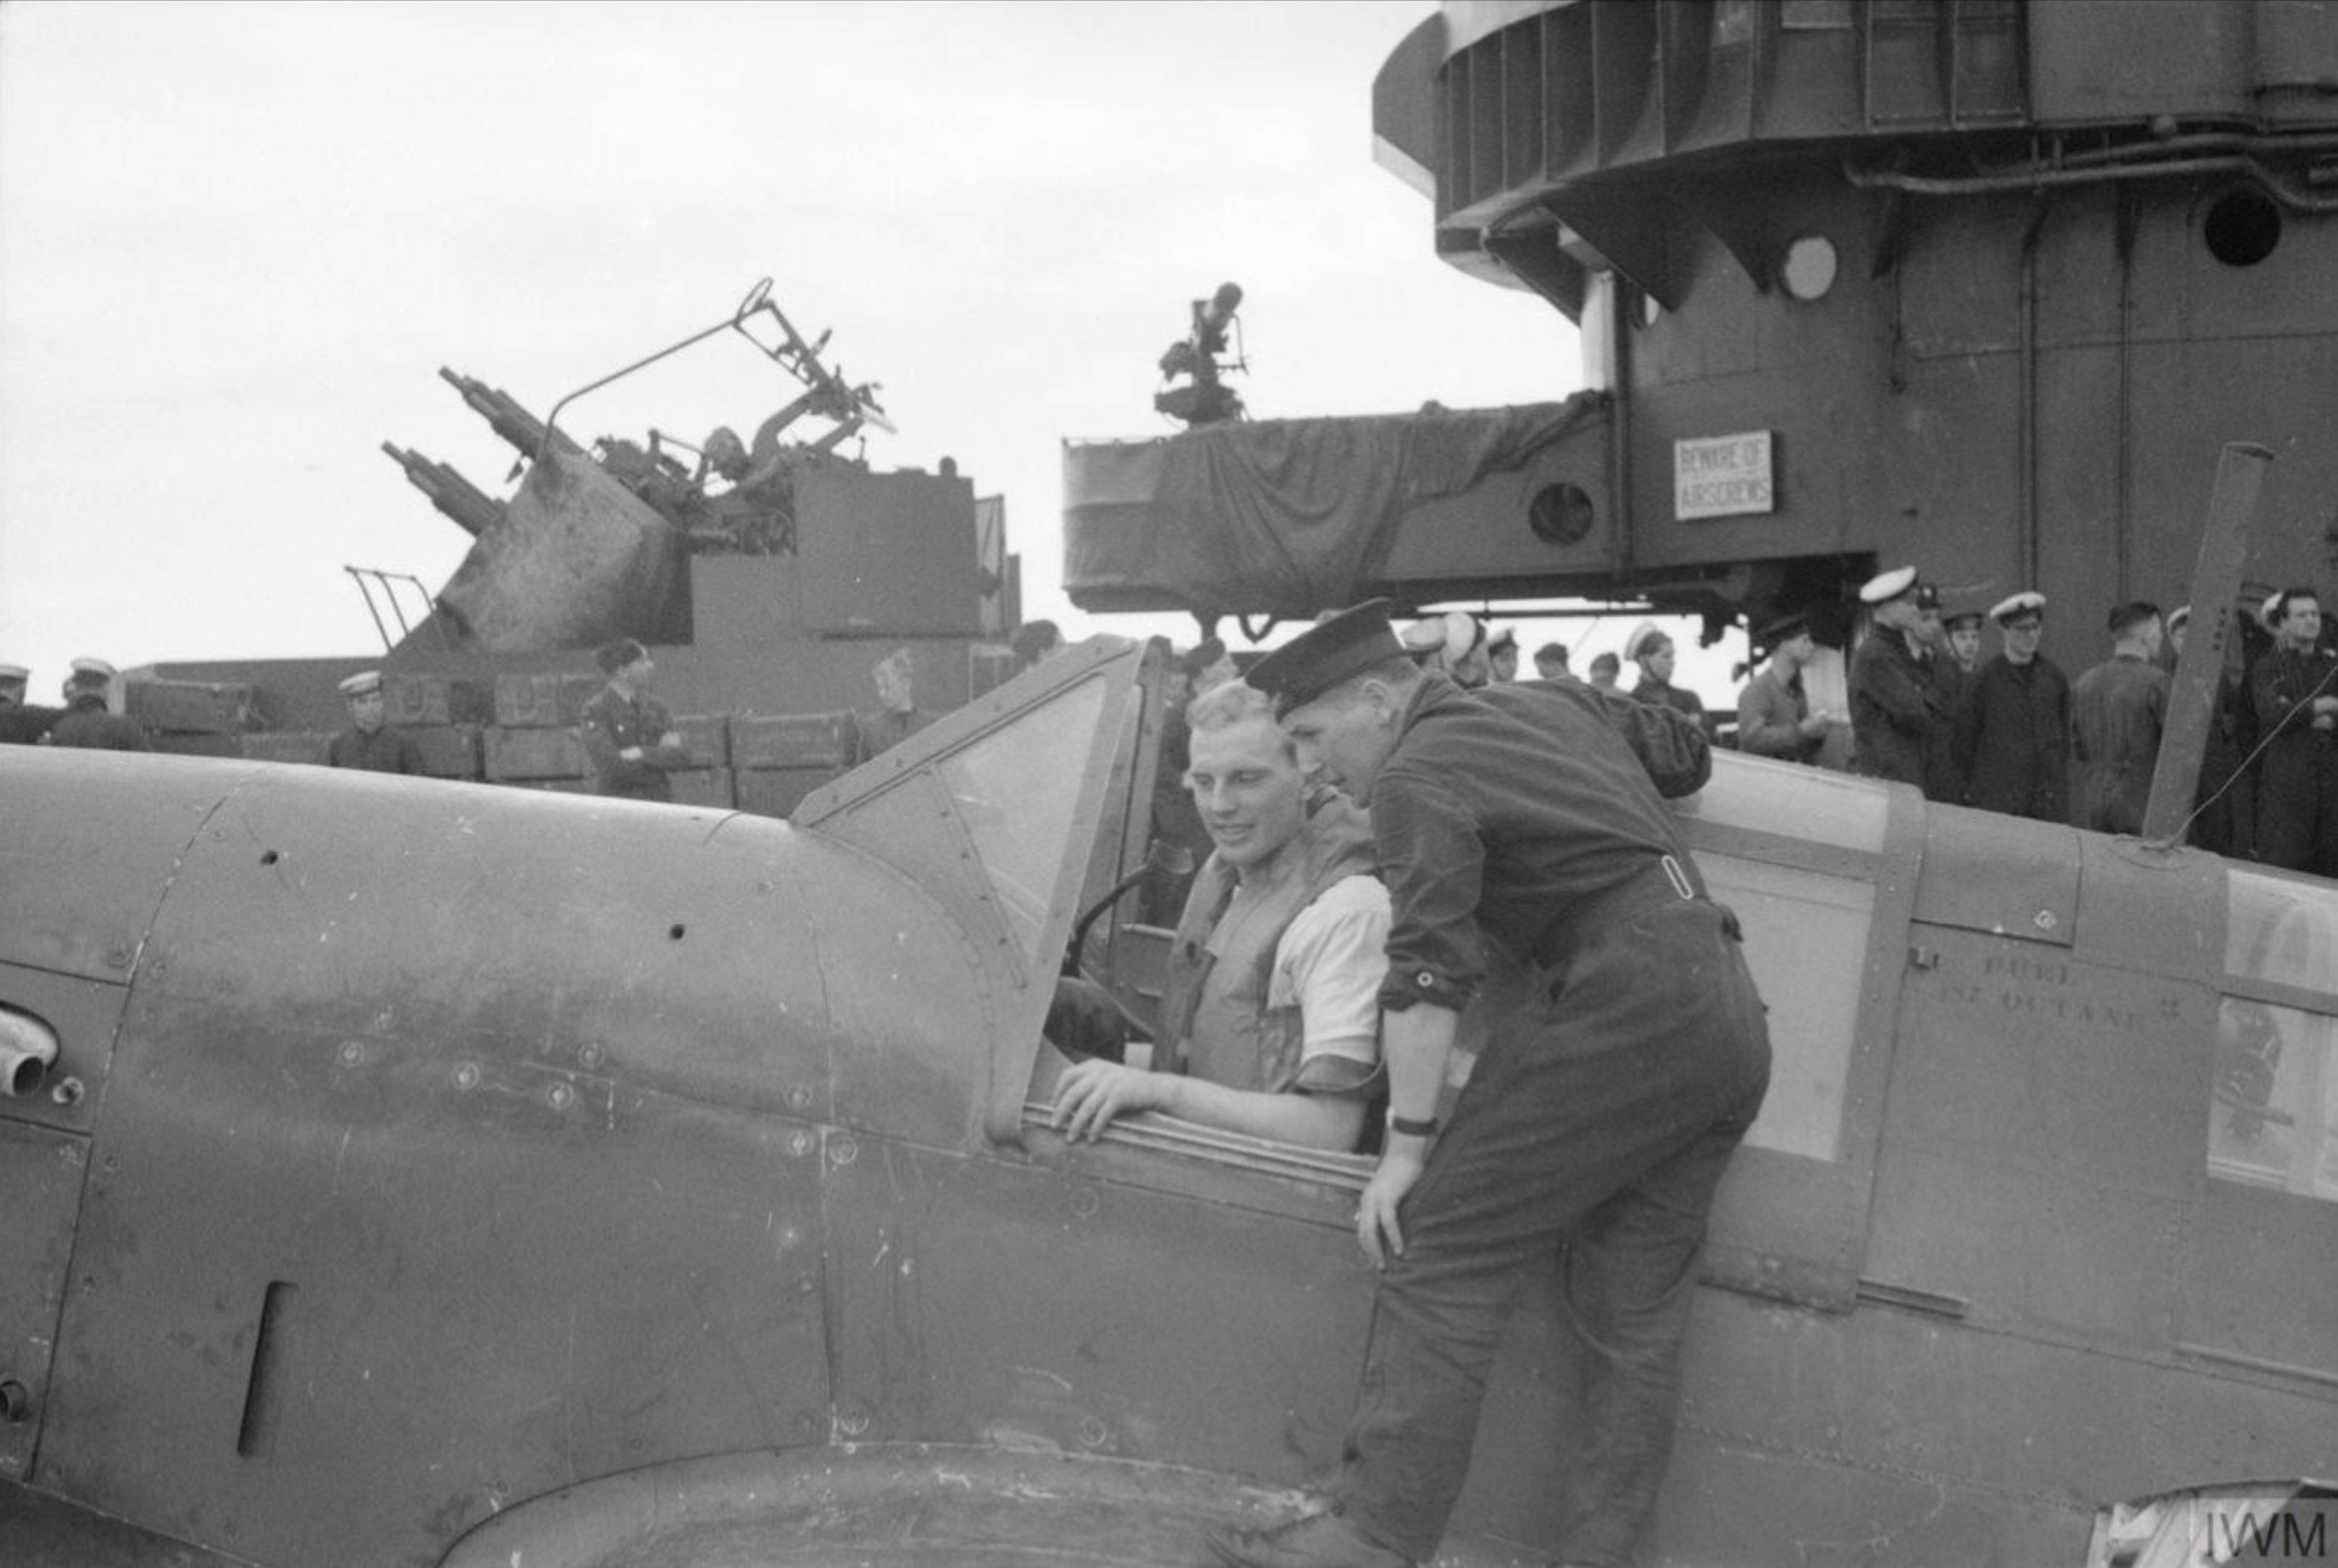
2295 689
1896 706
370 742
1656 654
2013 725
85 721
1527 819
20 725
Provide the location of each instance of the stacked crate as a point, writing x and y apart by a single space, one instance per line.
191 718
706 778
439 715
777 761
442 717
534 739
303 746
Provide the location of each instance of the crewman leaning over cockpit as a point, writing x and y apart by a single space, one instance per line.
1271 1016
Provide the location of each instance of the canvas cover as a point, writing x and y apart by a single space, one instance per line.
1281 516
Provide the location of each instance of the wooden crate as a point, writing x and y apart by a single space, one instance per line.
793 740
287 746
514 754
542 700
190 707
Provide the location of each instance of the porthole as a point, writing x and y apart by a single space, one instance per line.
1560 514
2242 228
1808 270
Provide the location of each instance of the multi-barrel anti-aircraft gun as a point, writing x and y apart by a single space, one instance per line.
593 537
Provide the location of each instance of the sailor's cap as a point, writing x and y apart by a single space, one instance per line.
1448 637
1328 652
1785 628
1927 597
96 668
1502 637
1645 632
14 672
2015 606
360 684
1963 618
2179 617
1885 586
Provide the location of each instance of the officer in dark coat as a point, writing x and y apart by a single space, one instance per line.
1895 703
2295 689
85 721
1526 820
629 735
2013 727
371 742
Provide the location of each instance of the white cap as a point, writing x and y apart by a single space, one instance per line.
1447 637
360 684
1642 634
2022 604
14 672
1886 586
99 667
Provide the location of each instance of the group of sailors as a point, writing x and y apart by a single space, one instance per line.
88 722
2014 734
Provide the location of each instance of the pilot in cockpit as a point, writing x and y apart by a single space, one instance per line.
1270 1019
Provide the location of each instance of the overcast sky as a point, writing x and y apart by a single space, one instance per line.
238 240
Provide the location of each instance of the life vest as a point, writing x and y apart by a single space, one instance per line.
1233 985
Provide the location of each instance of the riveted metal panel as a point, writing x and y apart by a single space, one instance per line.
363 1293
2042 1139
1028 1304
907 983
41 1174
651 944
1925 1442
2006 876
78 896
2156 911
82 1014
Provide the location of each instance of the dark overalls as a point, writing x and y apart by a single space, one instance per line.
1601 1113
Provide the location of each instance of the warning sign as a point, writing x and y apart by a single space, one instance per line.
1722 477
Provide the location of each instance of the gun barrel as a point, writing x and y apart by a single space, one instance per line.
503 414
472 509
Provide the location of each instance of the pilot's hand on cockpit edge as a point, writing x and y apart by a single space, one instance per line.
1090 1094
1376 1226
